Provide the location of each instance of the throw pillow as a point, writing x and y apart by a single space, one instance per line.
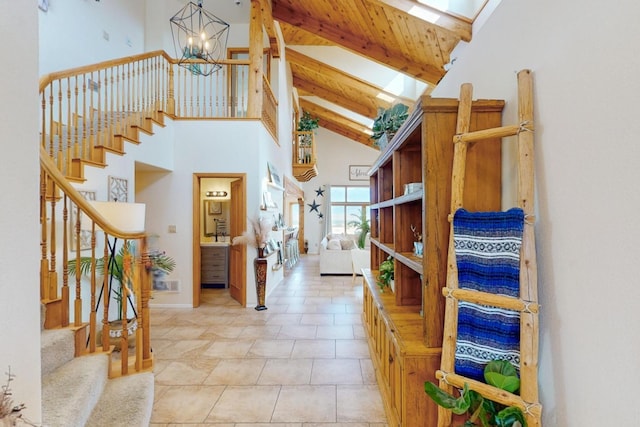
347 245
333 245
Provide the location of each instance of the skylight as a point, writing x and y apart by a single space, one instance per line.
464 8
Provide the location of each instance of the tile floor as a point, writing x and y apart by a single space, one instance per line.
304 362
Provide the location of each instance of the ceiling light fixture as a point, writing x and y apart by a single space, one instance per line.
216 194
199 38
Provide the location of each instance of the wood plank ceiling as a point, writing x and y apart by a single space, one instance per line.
379 30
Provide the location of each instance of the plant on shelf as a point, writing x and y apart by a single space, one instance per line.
361 224
385 274
483 412
307 123
388 122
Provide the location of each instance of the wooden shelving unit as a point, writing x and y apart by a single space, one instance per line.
405 327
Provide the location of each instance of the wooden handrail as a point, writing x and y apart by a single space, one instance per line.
49 166
48 78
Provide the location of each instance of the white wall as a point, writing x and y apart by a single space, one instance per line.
19 222
75 32
335 153
586 89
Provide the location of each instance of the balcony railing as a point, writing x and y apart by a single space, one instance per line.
304 156
87 111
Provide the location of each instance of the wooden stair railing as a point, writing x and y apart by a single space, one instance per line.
304 156
89 111
57 198
85 113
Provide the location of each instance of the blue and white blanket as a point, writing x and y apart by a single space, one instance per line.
487 248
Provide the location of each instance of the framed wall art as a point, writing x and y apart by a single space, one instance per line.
359 172
214 208
85 235
118 189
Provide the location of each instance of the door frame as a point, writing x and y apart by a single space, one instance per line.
197 220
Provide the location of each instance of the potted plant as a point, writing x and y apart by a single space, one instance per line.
387 123
483 412
385 274
307 124
361 224
159 264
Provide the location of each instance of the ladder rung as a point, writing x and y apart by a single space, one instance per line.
493 393
486 298
499 132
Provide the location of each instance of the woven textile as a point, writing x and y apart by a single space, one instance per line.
487 246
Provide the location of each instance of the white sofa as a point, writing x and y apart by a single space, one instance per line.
335 254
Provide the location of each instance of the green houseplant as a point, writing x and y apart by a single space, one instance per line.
361 225
307 122
387 123
159 263
483 412
385 274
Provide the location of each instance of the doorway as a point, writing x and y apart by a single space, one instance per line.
234 225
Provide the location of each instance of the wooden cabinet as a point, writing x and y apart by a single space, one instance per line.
405 326
214 265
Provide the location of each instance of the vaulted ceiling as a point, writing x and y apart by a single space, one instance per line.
382 31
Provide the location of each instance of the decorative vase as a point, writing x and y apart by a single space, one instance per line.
115 333
260 267
418 249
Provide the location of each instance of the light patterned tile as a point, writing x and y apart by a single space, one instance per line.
185 404
307 349
236 372
245 404
306 404
336 371
359 404
286 372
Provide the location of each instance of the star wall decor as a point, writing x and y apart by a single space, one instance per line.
320 215
313 206
320 192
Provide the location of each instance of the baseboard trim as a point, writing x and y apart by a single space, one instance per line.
170 305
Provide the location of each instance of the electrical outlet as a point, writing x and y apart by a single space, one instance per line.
172 229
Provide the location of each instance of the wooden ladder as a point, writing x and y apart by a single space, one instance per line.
527 303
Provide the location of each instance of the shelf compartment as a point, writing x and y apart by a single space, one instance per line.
407 164
385 224
408 284
407 215
410 260
385 182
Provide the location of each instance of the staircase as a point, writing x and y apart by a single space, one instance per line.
85 113
76 391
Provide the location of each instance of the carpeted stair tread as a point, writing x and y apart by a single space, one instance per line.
57 349
125 402
70 393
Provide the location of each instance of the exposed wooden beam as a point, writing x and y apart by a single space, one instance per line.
267 21
387 56
458 26
340 77
315 89
339 124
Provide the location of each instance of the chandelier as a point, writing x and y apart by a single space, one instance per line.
199 38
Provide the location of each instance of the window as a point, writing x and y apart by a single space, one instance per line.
347 204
